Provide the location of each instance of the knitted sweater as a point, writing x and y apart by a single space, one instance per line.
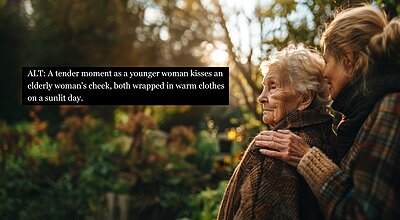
266 188
366 185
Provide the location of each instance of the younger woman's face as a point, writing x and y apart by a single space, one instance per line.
336 75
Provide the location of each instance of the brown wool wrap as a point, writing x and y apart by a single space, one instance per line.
266 188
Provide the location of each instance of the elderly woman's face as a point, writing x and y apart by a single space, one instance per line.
278 98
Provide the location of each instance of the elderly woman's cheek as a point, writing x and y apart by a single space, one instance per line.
286 103
285 108
279 101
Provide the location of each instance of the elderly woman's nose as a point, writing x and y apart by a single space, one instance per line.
263 97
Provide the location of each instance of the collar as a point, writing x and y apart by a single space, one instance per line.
351 101
299 119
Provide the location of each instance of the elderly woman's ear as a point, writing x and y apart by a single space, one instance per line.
306 101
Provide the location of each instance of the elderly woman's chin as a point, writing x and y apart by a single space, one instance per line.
268 118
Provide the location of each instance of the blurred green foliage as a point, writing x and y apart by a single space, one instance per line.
206 203
66 176
60 162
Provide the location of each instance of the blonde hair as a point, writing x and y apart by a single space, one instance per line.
365 31
303 68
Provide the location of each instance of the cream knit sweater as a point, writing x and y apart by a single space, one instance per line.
316 168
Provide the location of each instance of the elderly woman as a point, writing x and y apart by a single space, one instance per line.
362 53
295 97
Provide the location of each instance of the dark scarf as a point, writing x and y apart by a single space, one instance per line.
356 105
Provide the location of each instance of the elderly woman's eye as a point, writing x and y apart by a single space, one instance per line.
272 86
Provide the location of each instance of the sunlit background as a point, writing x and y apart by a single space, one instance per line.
137 162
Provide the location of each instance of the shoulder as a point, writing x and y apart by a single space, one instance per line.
389 104
384 121
320 135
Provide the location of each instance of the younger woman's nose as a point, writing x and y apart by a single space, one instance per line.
324 74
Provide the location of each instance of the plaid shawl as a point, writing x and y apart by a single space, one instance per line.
266 188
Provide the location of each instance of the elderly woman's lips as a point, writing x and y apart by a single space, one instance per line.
266 110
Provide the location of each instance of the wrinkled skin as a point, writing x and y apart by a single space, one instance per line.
278 98
284 144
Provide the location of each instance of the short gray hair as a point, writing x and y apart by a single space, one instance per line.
304 69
